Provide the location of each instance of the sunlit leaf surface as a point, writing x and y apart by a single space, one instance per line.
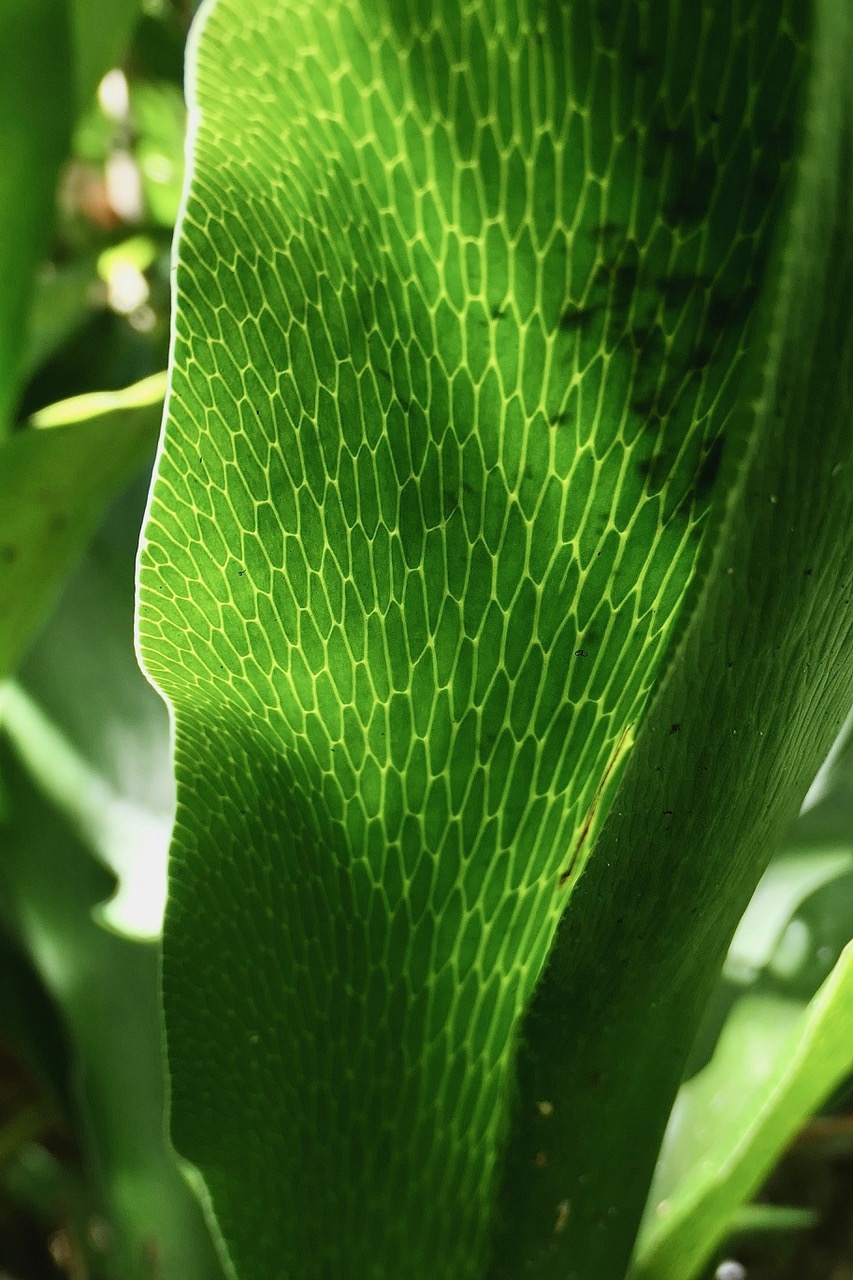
465 305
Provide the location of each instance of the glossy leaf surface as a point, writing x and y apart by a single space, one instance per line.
465 328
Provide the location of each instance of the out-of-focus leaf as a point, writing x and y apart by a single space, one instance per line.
91 730
107 989
39 1181
773 1068
836 770
36 114
758 1219
29 1021
86 679
101 33
789 938
786 884
62 300
131 839
160 120
56 478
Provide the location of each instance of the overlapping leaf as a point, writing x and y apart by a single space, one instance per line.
753 701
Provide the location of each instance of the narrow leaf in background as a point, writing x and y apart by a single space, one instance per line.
81 685
770 1073
36 115
56 478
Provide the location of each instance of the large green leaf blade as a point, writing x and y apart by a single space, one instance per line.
758 692
453 372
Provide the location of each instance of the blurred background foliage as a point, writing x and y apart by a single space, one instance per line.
92 128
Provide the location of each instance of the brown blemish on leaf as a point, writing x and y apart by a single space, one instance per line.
623 742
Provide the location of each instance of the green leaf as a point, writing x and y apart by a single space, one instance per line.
786 884
56 477
61 302
107 989
29 1021
160 121
786 944
465 306
772 1219
101 32
773 1068
80 684
758 691
36 113
91 731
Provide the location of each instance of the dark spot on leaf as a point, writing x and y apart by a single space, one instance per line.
675 728
676 289
559 419
577 317
8 554
706 476
656 471
383 372
726 308
580 653
605 231
646 407
498 313
700 357
714 117
623 279
692 192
